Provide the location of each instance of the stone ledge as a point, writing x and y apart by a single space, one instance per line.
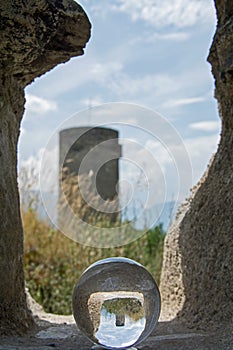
61 333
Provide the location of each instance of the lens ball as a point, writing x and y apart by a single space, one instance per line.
116 303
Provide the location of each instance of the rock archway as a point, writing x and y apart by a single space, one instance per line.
35 37
197 279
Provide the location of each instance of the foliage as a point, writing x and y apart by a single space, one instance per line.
125 306
54 263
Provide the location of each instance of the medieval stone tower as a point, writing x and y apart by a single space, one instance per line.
89 170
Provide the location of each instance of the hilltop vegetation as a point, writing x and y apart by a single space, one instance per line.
54 263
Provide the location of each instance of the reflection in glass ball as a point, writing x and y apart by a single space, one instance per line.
116 303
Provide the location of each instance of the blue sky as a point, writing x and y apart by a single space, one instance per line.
150 53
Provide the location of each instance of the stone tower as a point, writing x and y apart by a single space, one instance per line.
89 171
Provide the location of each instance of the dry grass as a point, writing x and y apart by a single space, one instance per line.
54 263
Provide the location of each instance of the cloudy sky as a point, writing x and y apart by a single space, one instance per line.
148 53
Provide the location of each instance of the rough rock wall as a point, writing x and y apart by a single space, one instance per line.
197 278
35 37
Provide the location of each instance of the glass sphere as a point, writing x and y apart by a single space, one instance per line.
116 303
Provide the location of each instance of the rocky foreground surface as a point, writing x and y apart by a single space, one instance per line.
61 333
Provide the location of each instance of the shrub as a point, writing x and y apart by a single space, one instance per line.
54 263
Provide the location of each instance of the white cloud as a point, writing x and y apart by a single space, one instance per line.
161 88
200 150
176 36
39 105
103 72
142 182
22 131
152 38
161 14
92 102
77 75
49 169
206 126
185 101
28 170
41 169
170 161
161 153
156 84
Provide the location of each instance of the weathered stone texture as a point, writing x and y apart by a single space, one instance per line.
35 37
197 276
